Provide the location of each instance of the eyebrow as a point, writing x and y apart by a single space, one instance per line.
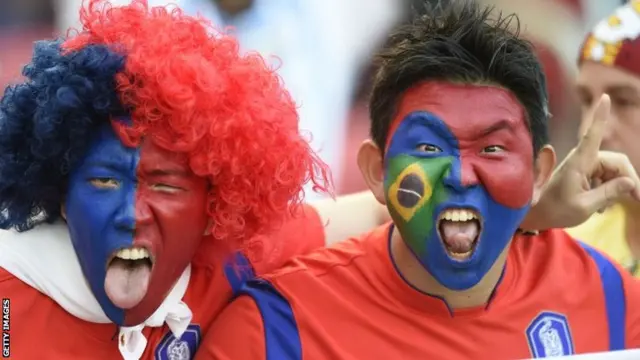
109 165
614 90
167 172
621 90
500 125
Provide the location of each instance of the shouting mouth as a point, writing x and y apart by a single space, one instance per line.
128 276
459 230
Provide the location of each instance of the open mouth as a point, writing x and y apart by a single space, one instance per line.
128 276
459 230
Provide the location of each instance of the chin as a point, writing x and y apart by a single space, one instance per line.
152 300
141 312
455 272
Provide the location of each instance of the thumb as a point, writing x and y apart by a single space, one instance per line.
605 194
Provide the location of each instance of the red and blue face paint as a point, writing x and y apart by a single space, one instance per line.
136 215
458 177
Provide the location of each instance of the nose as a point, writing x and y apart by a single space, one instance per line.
460 176
125 217
132 213
143 212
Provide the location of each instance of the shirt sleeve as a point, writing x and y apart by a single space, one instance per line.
236 334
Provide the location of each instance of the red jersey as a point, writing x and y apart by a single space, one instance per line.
555 297
40 329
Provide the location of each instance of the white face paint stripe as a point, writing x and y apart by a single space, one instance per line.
410 192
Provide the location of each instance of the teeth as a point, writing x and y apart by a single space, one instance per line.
133 254
458 215
460 256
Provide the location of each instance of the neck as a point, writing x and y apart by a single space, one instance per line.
416 275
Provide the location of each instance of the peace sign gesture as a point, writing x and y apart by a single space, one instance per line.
588 180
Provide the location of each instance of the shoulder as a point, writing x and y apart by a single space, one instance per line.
324 262
301 233
25 301
570 261
315 280
6 277
239 324
211 288
10 284
555 244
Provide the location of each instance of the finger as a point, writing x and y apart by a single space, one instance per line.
609 192
590 142
613 165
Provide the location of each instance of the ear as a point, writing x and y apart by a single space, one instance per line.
370 162
544 165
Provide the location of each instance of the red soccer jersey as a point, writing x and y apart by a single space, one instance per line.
41 329
348 302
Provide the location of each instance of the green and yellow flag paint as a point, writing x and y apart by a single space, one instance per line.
414 187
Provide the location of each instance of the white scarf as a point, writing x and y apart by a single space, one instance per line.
44 259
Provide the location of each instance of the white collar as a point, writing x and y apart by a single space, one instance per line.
44 258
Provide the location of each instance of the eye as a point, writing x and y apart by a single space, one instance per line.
428 148
165 188
104 183
493 149
621 102
586 101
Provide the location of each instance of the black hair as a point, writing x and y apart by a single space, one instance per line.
459 41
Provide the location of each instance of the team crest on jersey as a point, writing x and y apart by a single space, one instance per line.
184 348
549 335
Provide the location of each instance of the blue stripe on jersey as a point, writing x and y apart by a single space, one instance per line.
281 336
615 301
238 271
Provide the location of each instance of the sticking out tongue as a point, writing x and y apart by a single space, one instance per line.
459 236
127 281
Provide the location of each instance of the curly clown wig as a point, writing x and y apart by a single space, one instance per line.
185 87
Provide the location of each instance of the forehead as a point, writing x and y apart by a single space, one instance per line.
462 107
108 145
597 77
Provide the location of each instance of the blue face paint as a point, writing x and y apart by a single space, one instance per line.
101 215
422 181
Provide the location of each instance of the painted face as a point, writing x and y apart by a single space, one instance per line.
458 177
136 216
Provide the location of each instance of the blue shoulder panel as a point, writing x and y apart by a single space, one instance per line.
615 301
238 270
282 339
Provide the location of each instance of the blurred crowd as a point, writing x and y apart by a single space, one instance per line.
323 50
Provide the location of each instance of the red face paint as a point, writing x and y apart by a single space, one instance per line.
171 220
494 140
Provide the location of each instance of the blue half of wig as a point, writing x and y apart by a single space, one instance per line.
46 123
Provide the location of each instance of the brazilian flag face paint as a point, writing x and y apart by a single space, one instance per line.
457 191
414 189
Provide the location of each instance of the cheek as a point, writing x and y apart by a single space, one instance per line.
508 181
181 220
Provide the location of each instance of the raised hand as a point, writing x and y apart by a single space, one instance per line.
588 180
